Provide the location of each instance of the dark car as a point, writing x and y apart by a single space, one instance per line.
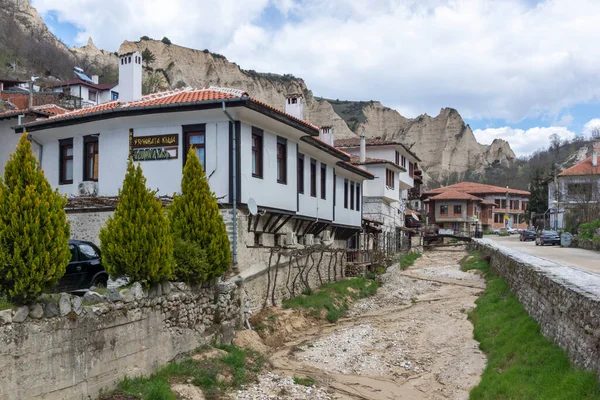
526 235
545 237
85 268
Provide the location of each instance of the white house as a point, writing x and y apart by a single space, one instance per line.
85 91
394 168
576 191
251 152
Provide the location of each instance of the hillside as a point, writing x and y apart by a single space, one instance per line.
445 143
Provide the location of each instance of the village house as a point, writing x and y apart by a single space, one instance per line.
253 154
396 172
84 91
578 192
470 207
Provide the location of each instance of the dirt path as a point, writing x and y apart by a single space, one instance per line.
410 341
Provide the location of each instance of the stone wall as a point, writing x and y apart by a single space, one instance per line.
563 300
86 225
61 349
586 244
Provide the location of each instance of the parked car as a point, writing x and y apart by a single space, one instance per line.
85 268
545 237
527 235
501 231
512 231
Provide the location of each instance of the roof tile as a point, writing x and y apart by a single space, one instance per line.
476 188
583 168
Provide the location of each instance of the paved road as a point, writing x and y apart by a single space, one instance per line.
583 259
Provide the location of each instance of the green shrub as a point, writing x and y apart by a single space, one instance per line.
190 262
34 232
406 260
145 38
588 230
136 240
166 40
195 218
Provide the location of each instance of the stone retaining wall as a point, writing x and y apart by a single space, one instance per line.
565 301
67 347
586 244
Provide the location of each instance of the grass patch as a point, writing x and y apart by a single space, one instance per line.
406 260
214 376
308 381
333 297
5 304
522 363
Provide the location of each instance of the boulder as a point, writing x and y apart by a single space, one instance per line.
64 304
20 314
36 311
50 310
166 287
93 297
77 304
126 296
5 317
137 291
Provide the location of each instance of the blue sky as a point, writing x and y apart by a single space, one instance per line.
519 70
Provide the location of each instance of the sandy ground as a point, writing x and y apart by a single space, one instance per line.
410 341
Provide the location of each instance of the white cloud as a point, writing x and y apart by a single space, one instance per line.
591 128
523 142
507 59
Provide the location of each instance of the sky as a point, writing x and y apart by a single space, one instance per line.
519 70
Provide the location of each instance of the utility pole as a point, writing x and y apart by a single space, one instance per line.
556 196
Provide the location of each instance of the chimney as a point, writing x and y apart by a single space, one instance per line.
293 105
363 147
595 153
95 79
326 135
130 76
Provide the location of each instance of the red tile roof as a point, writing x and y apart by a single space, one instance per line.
583 168
171 97
355 169
44 110
476 188
377 141
356 161
452 195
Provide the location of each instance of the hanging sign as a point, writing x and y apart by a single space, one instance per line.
149 148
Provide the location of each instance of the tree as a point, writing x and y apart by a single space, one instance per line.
148 57
180 84
136 241
34 232
166 40
153 83
195 218
538 187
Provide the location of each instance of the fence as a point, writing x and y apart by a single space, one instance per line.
369 248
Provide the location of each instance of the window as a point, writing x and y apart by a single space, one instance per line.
114 95
397 158
90 159
503 204
515 205
497 201
74 255
352 195
443 210
345 193
358 197
515 219
88 252
489 213
323 180
92 95
582 191
66 161
458 209
300 167
257 153
411 169
195 138
389 178
403 162
313 177
281 160
523 206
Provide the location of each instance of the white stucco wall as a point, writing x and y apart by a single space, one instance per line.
346 216
8 141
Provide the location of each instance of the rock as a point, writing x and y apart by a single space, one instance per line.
93 297
20 314
126 296
187 392
36 311
249 339
155 290
77 304
113 295
64 304
50 310
181 286
166 287
5 317
209 354
137 291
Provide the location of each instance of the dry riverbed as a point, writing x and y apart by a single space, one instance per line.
412 340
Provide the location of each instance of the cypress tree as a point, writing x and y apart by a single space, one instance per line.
136 241
34 232
195 219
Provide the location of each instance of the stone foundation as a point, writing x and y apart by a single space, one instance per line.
563 300
586 244
86 225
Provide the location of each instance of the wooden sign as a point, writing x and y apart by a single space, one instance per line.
149 148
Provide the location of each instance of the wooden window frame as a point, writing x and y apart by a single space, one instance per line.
257 152
403 163
411 169
91 140
65 144
345 193
281 160
442 208
397 157
323 181
389 179
300 178
352 195
358 197
313 177
194 130
459 209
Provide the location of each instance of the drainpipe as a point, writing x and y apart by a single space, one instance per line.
31 139
234 192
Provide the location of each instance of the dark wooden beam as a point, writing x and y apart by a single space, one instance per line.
256 222
285 221
266 224
308 227
270 228
249 221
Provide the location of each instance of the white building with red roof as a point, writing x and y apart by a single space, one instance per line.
470 206
253 154
578 191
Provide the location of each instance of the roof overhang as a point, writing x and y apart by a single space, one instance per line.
355 170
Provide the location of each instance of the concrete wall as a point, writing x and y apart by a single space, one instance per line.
379 209
61 350
563 300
